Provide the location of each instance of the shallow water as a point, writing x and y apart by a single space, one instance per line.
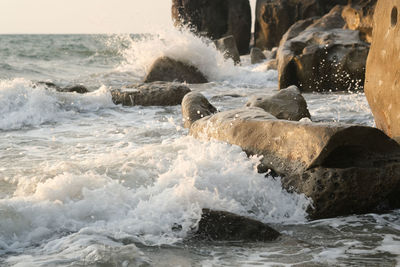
86 183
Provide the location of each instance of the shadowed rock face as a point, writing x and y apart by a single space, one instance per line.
382 86
170 70
226 226
344 169
257 56
151 94
227 46
318 55
216 19
194 107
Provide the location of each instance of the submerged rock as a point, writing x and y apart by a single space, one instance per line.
170 70
151 94
216 19
344 169
382 86
318 55
287 104
226 226
228 47
80 89
257 56
194 107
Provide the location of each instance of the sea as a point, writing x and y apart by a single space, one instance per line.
84 182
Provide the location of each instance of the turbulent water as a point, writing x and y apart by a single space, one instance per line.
84 182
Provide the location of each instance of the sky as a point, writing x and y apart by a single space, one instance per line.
84 16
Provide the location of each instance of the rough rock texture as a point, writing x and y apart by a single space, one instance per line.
226 226
318 55
287 104
344 169
194 107
227 46
274 17
170 70
382 86
216 19
359 16
257 56
151 94
80 89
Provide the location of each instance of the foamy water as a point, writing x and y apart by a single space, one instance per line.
86 183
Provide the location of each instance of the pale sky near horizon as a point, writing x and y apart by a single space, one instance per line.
85 16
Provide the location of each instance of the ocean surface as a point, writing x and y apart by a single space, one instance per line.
84 182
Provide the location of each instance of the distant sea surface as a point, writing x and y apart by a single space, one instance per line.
84 182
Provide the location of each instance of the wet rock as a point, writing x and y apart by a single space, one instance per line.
318 55
344 169
257 56
80 89
227 46
226 226
150 94
170 70
271 64
194 107
287 104
216 19
359 16
274 17
382 86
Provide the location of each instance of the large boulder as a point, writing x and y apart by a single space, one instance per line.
287 104
226 226
318 55
194 107
216 19
382 86
150 94
344 169
170 70
227 46
274 17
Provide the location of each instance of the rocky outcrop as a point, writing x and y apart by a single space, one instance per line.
194 107
226 226
170 70
274 17
216 19
359 16
287 104
318 55
150 94
227 46
257 56
344 169
382 86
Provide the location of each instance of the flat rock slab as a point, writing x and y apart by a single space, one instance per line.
151 94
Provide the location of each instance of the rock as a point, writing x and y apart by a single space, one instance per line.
227 46
150 94
194 107
216 19
274 52
257 56
344 169
80 89
359 16
226 226
382 86
274 17
318 55
287 104
170 70
271 64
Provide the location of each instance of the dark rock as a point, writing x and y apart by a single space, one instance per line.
382 86
226 226
194 107
170 70
216 19
227 46
287 104
151 94
318 55
257 56
344 169
80 89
